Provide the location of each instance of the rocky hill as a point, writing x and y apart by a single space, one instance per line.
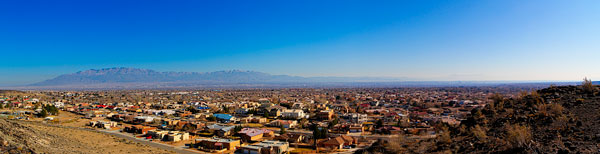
562 119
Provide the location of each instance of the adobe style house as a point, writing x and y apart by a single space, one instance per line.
169 135
325 114
338 142
103 124
265 147
290 137
225 118
254 134
284 123
216 144
220 129
138 129
293 114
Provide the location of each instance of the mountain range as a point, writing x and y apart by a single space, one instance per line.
136 78
122 77
135 75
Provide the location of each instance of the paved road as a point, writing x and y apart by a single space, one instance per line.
150 143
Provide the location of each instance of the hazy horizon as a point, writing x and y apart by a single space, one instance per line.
421 40
343 79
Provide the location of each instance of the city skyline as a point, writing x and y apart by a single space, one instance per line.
426 40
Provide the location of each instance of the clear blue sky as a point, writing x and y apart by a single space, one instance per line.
424 40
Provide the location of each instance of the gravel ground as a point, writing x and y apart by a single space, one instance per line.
32 137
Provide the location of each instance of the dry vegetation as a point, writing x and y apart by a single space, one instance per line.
552 120
34 137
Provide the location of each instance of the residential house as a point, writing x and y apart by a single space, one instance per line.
325 114
177 136
139 129
293 114
254 134
103 124
216 144
284 123
224 118
355 117
266 147
220 129
291 137
252 119
338 142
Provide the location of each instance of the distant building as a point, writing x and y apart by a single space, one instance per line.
255 134
293 114
325 114
139 129
265 147
216 144
225 118
338 142
103 124
290 137
284 123
220 129
355 117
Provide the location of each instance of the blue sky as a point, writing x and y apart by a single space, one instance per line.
422 40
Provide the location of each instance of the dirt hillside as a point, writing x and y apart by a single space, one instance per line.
33 137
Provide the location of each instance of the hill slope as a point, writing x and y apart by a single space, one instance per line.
552 120
32 137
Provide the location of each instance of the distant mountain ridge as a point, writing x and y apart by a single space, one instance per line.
136 75
135 78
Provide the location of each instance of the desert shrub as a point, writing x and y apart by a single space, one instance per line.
532 99
478 116
462 129
397 144
444 136
518 135
551 110
479 132
535 94
587 85
497 101
522 94
560 123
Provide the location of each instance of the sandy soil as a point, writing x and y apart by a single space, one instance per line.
83 141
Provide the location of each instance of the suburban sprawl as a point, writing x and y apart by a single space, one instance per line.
248 121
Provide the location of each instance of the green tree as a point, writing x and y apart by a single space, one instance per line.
379 123
51 109
226 109
324 133
319 132
188 127
282 130
267 114
192 109
211 118
237 129
43 114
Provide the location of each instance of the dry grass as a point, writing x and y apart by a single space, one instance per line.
479 132
587 85
518 135
552 110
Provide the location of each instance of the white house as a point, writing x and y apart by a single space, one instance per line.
293 114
